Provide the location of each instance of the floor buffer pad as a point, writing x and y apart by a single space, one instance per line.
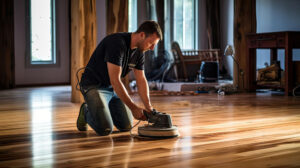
159 126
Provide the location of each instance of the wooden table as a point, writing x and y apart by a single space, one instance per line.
275 40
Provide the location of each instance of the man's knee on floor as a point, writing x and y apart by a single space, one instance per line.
104 131
125 128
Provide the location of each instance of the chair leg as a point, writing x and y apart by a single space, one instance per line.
184 72
175 71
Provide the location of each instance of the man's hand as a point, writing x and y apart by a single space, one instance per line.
149 108
138 114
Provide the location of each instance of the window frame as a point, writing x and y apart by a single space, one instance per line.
170 4
135 14
55 61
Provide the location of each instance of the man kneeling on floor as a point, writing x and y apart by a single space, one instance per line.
107 103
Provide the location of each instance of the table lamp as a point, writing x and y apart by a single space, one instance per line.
229 51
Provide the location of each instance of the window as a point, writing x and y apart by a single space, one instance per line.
184 23
132 15
182 20
41 32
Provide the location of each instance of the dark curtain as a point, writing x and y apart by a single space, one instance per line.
213 23
7 63
156 12
157 63
159 4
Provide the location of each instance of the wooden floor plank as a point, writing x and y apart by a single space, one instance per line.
38 129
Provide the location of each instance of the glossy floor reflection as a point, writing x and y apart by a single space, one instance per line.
38 129
41 127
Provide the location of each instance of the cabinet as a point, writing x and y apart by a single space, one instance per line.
275 40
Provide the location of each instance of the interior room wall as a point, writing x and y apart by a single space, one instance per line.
274 16
277 15
101 19
42 75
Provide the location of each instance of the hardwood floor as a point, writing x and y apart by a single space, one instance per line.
37 129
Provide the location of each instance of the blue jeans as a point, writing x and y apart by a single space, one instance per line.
105 109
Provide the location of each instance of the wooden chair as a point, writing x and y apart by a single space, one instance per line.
185 58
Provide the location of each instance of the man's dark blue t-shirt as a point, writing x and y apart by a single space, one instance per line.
115 49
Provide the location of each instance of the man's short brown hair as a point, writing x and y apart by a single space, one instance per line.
149 27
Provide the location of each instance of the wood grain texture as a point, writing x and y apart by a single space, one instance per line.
38 129
116 16
83 39
244 23
117 21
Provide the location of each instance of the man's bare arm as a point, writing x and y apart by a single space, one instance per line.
143 88
114 72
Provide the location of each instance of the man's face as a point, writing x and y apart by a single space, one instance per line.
148 43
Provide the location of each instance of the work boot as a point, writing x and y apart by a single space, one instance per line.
81 123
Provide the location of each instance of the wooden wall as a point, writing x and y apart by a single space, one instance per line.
7 61
116 16
117 21
83 39
244 23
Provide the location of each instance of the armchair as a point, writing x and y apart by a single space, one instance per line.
184 59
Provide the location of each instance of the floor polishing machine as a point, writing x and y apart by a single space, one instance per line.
159 126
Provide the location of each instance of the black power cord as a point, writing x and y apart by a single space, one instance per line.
294 91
